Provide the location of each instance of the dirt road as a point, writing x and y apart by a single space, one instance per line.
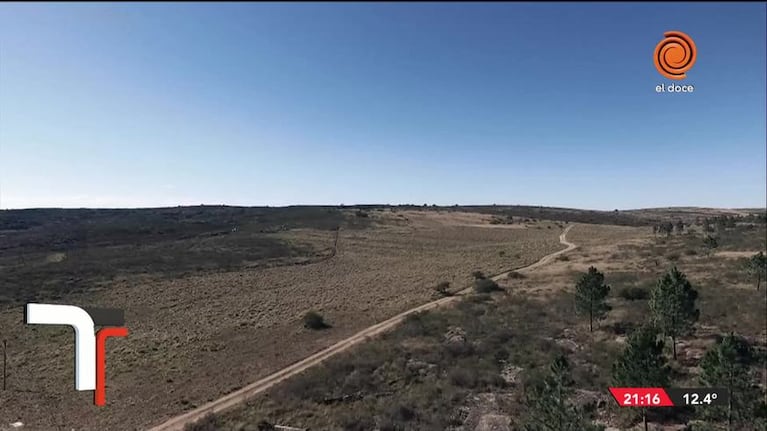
228 401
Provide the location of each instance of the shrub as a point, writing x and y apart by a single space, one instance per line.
443 288
464 377
403 413
314 320
634 293
622 327
478 298
478 275
690 252
563 258
485 285
514 275
208 422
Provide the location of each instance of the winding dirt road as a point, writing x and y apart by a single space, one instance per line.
228 401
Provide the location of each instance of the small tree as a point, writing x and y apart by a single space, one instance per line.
548 406
727 364
591 294
672 305
710 243
757 267
679 226
668 228
642 363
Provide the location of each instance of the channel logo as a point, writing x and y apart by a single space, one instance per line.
90 358
675 55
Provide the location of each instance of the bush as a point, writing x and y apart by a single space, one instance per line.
443 288
464 377
478 275
314 320
622 328
514 275
563 258
478 298
690 252
634 293
485 285
208 422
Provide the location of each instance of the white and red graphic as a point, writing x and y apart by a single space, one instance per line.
90 360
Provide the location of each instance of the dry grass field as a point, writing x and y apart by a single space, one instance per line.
419 378
197 335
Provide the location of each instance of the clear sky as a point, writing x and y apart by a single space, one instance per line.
275 104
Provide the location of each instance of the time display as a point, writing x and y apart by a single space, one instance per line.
646 399
641 397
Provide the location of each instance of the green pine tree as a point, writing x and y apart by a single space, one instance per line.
727 365
590 296
548 405
757 268
642 363
672 305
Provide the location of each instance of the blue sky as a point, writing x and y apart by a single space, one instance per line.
274 104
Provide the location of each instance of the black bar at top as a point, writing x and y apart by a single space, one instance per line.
106 316
698 396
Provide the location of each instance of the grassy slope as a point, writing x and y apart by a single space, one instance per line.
415 379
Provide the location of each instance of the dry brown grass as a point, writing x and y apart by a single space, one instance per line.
196 338
533 320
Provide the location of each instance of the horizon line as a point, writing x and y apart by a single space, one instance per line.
384 205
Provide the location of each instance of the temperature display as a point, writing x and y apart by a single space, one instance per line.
698 396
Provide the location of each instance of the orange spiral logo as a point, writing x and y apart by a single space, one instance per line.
675 55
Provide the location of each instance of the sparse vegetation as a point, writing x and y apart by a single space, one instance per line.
443 288
314 320
210 422
549 403
516 336
757 268
710 243
634 293
440 369
727 364
486 285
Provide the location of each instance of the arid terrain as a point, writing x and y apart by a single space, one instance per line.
468 367
229 309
